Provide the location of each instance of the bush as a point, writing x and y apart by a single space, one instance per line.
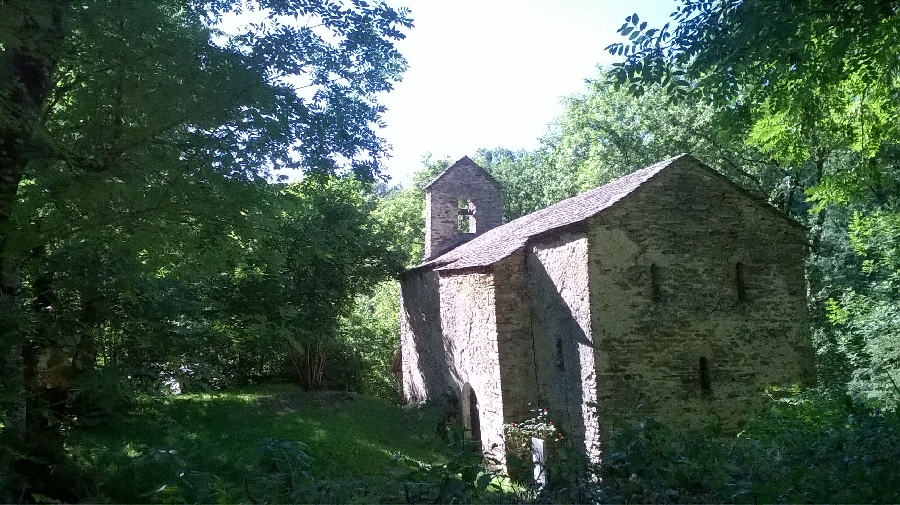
808 448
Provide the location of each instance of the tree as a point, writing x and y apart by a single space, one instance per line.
369 338
105 86
821 85
404 209
297 276
605 133
370 330
134 137
865 313
527 179
108 89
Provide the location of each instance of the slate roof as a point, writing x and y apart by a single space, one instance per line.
500 242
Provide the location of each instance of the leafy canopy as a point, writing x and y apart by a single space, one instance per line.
802 79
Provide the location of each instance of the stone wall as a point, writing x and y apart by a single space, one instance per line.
468 322
514 342
683 301
422 347
467 180
682 331
557 269
449 344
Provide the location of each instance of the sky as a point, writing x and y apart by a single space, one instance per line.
492 73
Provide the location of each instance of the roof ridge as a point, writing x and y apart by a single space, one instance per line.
498 243
465 160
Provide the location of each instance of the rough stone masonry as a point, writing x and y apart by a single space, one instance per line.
671 292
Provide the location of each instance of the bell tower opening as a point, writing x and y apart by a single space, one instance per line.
465 221
461 203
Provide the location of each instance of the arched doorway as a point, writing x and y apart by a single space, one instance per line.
470 414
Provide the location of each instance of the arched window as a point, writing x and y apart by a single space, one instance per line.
465 222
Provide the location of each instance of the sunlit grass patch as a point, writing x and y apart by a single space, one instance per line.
222 446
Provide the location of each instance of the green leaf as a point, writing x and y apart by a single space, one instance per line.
483 481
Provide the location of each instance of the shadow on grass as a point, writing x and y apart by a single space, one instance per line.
252 445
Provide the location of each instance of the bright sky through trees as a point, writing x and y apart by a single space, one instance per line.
490 73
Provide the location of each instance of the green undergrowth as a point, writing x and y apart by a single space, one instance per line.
264 444
278 444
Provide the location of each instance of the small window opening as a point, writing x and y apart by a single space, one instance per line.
654 283
705 384
739 278
465 215
560 363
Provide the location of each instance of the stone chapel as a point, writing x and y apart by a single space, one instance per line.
670 292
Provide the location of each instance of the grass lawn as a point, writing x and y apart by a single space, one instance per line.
258 444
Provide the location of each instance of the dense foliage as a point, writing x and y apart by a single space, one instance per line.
606 133
139 236
144 249
823 83
806 449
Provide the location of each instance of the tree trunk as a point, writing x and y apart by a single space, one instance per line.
34 36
